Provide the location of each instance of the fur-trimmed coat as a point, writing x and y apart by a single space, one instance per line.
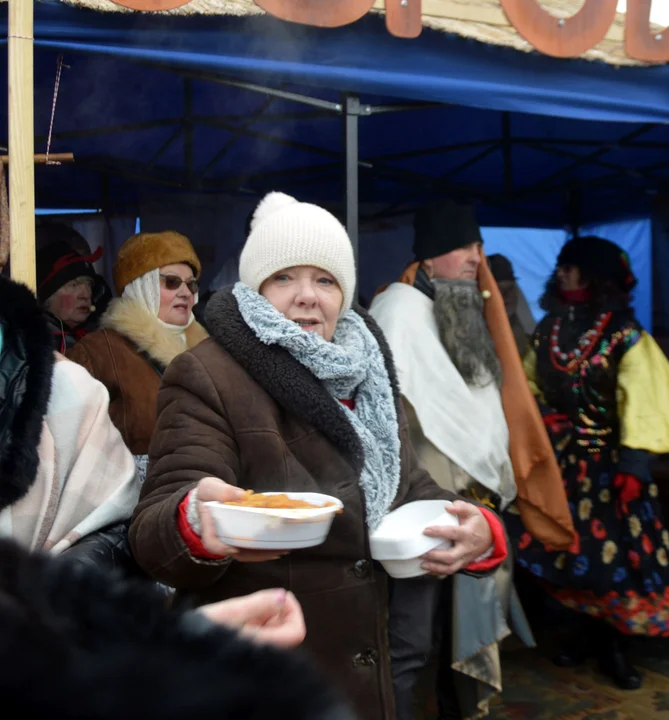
128 356
76 643
65 472
252 415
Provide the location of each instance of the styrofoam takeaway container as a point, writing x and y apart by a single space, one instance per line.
399 543
274 529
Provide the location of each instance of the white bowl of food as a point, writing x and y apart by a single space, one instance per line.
399 542
275 521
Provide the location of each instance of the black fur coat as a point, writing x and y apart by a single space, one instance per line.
78 644
26 374
26 369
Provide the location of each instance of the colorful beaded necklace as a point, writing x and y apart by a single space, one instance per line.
584 347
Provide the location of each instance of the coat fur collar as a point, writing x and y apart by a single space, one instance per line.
286 380
27 347
130 319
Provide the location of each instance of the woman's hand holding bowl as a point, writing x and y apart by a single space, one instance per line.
212 489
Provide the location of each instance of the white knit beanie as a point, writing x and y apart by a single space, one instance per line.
286 233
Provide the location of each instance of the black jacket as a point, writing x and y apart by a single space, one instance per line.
26 372
107 549
77 644
26 369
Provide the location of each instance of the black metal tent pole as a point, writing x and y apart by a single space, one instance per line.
574 211
189 129
560 152
351 105
350 109
235 136
549 181
507 153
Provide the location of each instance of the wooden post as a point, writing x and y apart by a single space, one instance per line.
21 143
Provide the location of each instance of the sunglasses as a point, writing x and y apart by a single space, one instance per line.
174 282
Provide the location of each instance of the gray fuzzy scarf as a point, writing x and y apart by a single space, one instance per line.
350 367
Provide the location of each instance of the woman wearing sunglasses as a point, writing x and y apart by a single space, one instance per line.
156 276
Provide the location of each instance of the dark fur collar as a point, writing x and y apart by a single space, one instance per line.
27 338
287 381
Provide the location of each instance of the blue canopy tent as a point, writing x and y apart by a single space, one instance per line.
245 105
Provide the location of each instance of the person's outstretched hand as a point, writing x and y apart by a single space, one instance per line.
273 617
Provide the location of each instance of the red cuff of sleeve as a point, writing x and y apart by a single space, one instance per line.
500 551
189 536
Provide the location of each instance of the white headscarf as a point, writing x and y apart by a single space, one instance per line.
145 291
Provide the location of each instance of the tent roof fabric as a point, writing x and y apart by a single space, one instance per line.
481 20
150 102
363 58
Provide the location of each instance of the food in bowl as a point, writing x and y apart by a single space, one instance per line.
279 501
255 526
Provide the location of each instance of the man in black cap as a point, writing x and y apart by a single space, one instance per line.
450 379
447 240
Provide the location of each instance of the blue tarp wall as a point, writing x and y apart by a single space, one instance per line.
534 254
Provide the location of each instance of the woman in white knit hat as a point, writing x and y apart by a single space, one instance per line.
294 391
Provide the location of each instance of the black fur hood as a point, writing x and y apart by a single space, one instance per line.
26 370
78 643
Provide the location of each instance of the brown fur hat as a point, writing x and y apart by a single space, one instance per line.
144 252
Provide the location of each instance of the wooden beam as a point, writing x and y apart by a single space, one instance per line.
21 143
41 158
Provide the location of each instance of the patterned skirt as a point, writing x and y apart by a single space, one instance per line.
618 567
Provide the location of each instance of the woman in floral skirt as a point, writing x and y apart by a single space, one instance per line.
603 387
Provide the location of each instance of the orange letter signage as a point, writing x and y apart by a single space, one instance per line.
560 37
640 42
404 18
320 13
568 37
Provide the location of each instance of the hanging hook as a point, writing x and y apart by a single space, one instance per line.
59 69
